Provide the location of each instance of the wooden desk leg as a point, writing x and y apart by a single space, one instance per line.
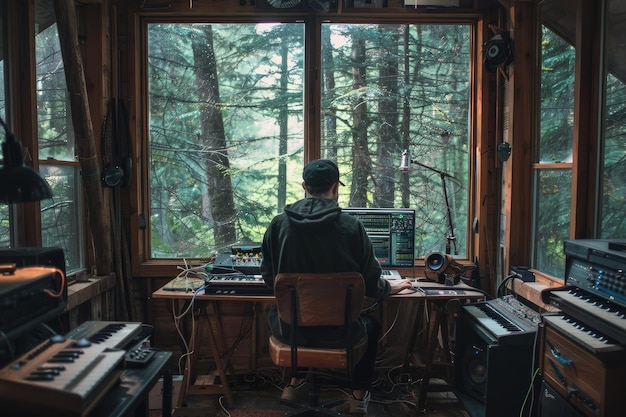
189 363
225 388
445 339
430 353
202 321
413 338
220 338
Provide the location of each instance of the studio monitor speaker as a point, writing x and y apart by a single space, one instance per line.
440 266
490 379
498 52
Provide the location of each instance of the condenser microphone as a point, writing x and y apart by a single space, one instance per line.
405 162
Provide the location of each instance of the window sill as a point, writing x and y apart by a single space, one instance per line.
79 292
531 291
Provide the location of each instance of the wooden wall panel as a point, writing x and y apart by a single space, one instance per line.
521 100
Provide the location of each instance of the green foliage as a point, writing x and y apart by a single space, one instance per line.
248 75
436 88
552 196
557 99
260 73
613 221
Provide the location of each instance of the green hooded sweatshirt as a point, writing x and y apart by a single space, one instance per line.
313 235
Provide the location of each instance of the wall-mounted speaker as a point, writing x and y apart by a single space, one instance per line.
498 52
490 379
117 164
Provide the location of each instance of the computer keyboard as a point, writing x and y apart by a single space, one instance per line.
390 274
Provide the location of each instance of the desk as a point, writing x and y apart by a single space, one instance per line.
208 309
443 304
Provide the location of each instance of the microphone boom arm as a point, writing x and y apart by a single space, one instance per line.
450 238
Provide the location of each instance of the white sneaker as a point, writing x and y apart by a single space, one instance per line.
297 394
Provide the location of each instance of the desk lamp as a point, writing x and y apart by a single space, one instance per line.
18 182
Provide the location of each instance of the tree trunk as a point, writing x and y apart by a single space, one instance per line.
388 138
283 124
361 161
214 139
405 134
329 117
99 218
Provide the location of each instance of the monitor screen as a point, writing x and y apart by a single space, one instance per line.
392 232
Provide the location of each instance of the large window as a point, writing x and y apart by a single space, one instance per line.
390 87
553 163
61 217
612 222
227 112
226 132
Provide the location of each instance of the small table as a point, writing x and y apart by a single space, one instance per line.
444 303
209 309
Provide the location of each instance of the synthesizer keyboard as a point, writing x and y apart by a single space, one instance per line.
60 377
504 318
112 334
68 374
237 284
590 338
607 317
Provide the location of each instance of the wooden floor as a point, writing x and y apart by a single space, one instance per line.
395 390
258 395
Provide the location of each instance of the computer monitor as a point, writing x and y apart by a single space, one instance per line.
392 232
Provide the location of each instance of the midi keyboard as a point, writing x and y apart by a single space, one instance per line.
237 284
67 375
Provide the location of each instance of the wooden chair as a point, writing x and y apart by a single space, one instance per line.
331 299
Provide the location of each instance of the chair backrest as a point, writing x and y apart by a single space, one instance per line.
320 298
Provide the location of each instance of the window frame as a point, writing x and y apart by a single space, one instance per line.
21 105
588 95
539 166
143 265
21 114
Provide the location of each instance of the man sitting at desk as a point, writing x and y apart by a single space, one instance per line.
312 235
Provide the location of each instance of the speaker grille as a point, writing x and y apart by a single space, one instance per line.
490 379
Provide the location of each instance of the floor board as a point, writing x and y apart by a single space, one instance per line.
258 395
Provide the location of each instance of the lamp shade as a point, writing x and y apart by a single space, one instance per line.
18 182
22 184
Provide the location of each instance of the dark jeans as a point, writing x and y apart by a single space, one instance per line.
363 373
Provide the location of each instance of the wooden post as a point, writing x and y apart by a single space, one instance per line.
99 218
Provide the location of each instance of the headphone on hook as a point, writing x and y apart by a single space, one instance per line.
116 168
